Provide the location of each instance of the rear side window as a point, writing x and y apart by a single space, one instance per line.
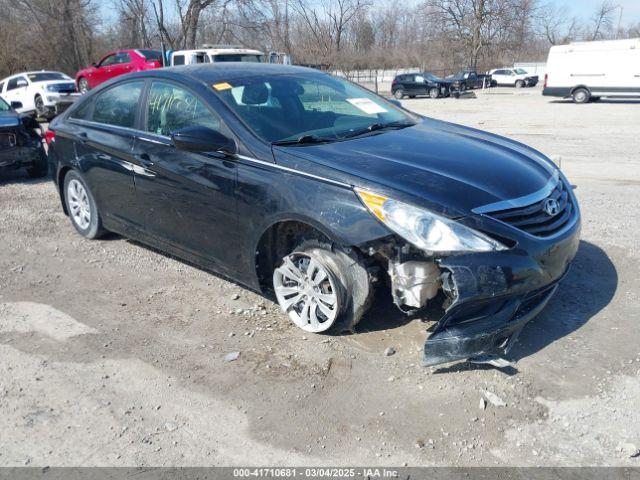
123 58
171 108
178 60
118 105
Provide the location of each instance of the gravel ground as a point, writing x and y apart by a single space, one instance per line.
114 354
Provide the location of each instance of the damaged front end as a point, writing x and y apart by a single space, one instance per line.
487 296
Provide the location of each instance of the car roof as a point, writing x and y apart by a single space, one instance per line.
220 72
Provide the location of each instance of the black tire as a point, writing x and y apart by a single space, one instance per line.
412 96
581 95
434 92
41 110
94 228
595 99
520 84
494 83
350 277
40 167
399 94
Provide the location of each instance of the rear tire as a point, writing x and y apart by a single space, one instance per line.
82 207
581 95
399 94
321 287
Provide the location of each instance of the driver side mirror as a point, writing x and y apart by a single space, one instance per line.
203 139
16 105
95 65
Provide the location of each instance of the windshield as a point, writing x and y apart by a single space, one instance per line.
235 57
151 54
309 105
46 76
4 106
520 71
432 77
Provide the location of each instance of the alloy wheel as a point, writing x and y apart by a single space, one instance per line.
80 208
83 85
40 110
306 291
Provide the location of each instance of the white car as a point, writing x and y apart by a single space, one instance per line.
45 93
513 77
215 53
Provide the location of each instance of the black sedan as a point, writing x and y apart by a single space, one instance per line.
419 84
20 143
292 181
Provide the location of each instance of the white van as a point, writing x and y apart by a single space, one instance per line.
590 70
215 53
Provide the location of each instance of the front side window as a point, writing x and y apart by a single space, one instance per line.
1 86
110 60
4 106
118 105
287 107
17 82
170 108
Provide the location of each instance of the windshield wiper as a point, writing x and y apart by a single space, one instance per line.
379 126
303 140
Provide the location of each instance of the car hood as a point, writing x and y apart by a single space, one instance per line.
446 167
9 119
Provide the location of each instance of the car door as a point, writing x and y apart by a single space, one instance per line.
102 132
188 198
121 65
102 72
421 85
499 77
17 92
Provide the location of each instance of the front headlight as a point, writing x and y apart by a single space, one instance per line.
428 231
51 88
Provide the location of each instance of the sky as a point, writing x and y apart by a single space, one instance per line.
585 8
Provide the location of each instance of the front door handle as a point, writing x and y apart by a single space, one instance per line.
144 160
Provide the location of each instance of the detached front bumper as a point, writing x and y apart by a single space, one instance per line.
496 294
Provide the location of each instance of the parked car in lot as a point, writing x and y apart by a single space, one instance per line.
215 53
513 77
588 71
20 143
470 79
44 93
417 84
117 63
290 180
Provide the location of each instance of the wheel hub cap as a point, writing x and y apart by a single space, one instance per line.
79 206
306 292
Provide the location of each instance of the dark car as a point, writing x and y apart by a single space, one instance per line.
470 79
20 142
290 180
417 84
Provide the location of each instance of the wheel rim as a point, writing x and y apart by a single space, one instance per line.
39 105
79 206
306 292
83 86
581 96
433 93
399 94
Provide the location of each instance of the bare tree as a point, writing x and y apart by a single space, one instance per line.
603 19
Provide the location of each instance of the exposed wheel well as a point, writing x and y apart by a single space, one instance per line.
578 87
63 172
279 240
